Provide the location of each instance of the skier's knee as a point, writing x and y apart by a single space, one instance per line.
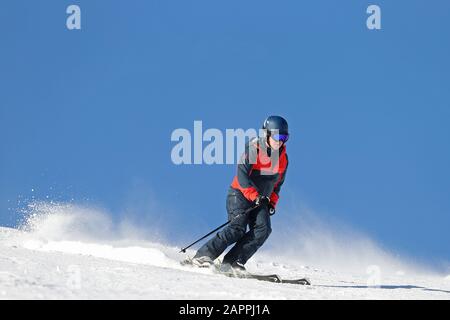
238 233
232 234
268 231
262 234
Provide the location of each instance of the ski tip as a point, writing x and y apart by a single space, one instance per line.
302 281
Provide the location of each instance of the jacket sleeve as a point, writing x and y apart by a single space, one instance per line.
242 180
276 191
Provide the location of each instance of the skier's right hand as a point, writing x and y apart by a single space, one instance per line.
262 201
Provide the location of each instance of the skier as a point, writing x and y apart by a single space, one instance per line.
257 184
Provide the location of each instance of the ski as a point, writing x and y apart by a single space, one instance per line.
270 278
246 275
302 281
277 279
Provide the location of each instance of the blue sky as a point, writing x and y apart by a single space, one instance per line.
87 114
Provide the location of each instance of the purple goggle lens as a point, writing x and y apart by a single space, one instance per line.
281 137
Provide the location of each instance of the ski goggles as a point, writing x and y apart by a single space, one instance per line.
280 137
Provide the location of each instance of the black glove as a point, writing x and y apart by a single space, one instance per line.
271 209
262 201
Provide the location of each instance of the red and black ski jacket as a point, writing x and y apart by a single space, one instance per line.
257 175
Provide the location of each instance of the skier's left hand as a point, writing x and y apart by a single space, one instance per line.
262 201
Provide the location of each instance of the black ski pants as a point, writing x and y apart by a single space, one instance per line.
246 242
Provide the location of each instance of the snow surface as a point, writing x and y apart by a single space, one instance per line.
62 255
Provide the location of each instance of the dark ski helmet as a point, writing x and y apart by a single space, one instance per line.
276 124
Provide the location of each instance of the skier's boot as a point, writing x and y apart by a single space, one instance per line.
236 269
202 262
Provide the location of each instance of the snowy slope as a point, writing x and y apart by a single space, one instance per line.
33 267
66 251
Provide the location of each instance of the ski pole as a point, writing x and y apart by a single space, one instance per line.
218 228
